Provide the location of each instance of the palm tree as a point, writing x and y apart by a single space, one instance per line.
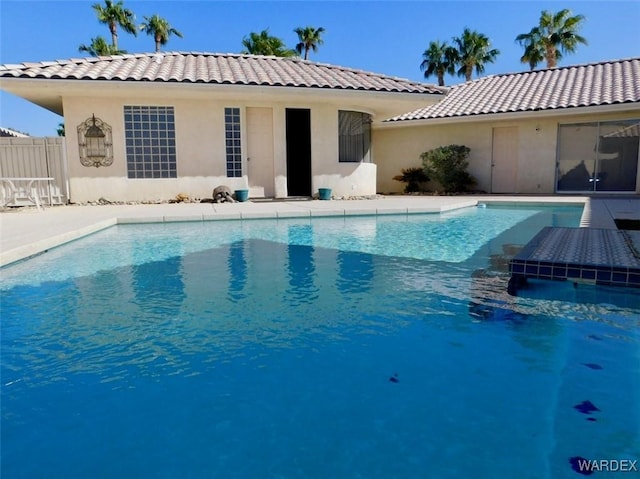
309 40
114 15
473 52
160 29
100 48
264 44
439 59
555 35
533 50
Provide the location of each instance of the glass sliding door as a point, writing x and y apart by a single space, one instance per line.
618 156
576 157
598 156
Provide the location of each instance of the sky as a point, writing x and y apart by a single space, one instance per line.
386 37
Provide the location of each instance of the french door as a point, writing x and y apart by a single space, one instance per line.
598 157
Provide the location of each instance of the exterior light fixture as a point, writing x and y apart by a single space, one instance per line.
94 140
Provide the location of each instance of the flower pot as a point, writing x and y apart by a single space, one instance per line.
242 195
324 193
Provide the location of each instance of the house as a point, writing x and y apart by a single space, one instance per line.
8 133
151 126
172 123
571 129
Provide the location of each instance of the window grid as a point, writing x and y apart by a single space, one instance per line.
150 141
232 142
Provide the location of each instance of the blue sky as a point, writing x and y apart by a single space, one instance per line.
380 36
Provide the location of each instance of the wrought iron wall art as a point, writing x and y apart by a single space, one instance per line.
95 142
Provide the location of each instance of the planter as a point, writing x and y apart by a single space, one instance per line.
242 195
324 193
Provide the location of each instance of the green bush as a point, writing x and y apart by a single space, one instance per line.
448 166
412 177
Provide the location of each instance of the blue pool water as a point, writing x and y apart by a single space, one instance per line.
372 347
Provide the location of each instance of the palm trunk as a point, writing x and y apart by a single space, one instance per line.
157 44
468 72
550 55
306 52
114 35
440 78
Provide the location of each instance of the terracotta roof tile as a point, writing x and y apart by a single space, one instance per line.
604 83
216 68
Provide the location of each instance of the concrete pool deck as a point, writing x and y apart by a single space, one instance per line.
28 231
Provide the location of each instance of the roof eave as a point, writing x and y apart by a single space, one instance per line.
49 93
556 112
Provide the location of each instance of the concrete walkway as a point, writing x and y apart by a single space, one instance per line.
28 231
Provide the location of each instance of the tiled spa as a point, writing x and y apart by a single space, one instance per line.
581 255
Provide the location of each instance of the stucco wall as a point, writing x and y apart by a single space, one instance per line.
400 147
327 172
201 158
199 152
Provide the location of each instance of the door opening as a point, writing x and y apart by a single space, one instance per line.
298 124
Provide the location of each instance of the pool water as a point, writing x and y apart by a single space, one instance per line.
372 347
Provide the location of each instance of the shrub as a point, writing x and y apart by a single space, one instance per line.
412 177
448 166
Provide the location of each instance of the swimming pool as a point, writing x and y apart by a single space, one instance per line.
355 347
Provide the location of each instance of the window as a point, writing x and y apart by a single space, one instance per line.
598 156
354 136
150 140
232 142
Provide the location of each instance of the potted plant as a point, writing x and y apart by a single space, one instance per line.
324 193
242 195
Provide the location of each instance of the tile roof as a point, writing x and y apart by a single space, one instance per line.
214 68
596 84
8 133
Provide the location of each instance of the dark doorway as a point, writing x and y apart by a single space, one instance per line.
298 152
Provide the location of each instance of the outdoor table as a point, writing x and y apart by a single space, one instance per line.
28 185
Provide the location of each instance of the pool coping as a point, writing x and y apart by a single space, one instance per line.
28 233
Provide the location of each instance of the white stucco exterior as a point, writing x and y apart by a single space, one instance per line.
199 131
399 145
512 131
